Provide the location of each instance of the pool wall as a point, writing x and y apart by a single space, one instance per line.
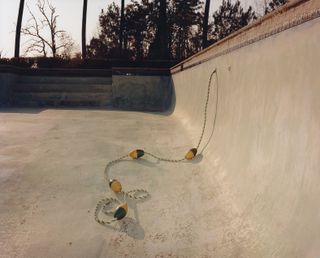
120 88
7 80
263 153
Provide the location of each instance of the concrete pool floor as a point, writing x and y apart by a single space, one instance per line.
51 177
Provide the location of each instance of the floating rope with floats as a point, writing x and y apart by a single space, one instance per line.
106 205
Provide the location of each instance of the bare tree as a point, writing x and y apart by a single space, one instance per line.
59 42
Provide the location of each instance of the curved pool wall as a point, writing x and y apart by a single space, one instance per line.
263 156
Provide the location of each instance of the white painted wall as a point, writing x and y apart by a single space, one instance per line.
264 154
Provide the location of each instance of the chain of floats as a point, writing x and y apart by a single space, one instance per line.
140 194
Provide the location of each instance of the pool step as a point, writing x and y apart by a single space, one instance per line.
61 79
70 87
63 99
63 91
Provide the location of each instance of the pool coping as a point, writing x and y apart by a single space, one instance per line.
271 24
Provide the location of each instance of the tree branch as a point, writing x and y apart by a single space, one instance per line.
34 27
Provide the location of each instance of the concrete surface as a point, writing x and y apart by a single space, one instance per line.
146 93
253 192
263 159
7 80
124 91
39 91
52 164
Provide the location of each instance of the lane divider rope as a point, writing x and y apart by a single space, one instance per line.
113 208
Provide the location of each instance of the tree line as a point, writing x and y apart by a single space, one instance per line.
183 27
140 30
167 29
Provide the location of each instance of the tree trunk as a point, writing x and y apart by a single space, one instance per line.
159 49
53 43
121 27
205 25
138 46
18 30
163 30
54 49
84 25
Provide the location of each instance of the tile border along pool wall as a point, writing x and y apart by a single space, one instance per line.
263 28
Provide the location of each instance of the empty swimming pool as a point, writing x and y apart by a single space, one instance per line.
253 191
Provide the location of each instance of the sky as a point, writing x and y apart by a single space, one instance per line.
70 18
